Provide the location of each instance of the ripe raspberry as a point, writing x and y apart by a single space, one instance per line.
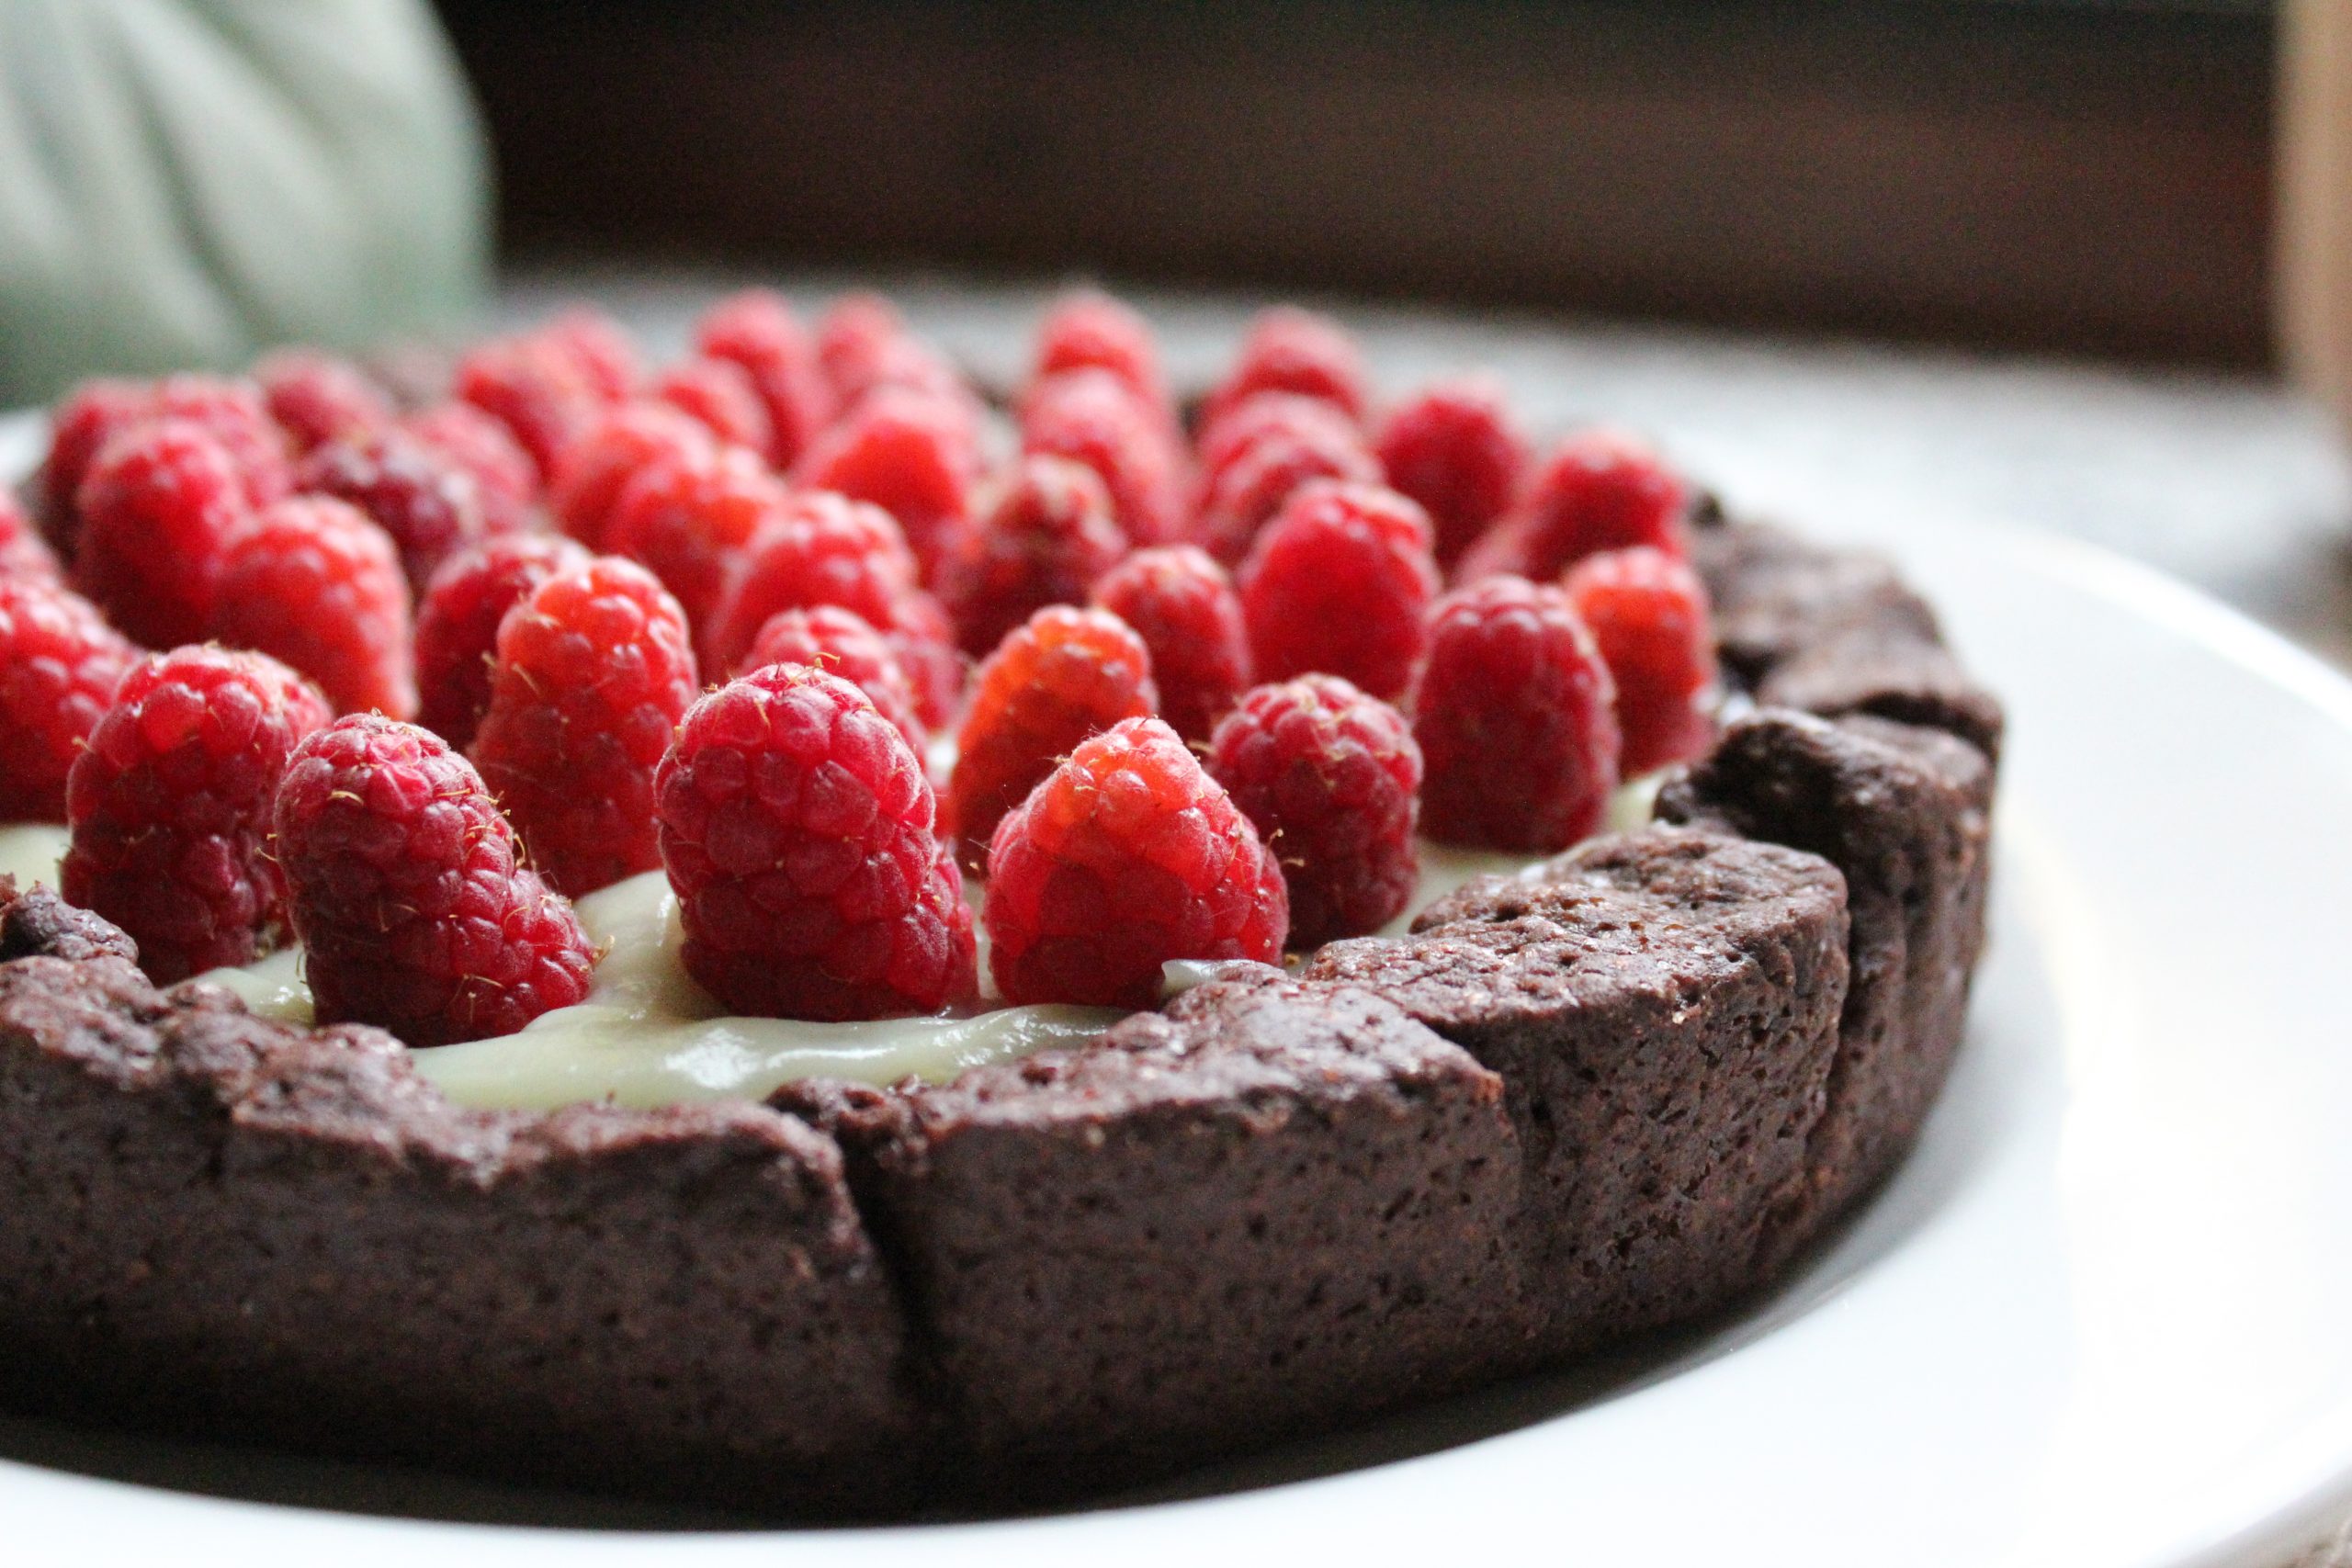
59 665
1265 458
823 550
592 673
1331 780
316 398
1601 490
1341 583
1127 857
599 345
719 394
1063 676
1512 713
1454 449
906 452
924 639
1043 540
1184 606
688 518
457 623
430 506
608 454
1093 417
863 342
798 828
484 446
541 390
1647 611
1290 350
80 424
758 330
169 807
413 914
23 555
312 583
1088 330
231 412
157 507
841 643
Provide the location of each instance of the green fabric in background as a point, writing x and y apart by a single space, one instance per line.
186 182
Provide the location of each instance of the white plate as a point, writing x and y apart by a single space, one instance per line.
2102 1317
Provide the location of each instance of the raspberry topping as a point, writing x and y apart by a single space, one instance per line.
412 911
798 828
311 583
1092 330
1062 676
909 453
1454 449
719 394
1127 857
60 663
823 550
541 391
456 624
758 330
1093 417
1340 583
687 518
610 452
1331 780
316 398
1263 465
1045 539
594 671
23 557
1601 490
1290 350
157 508
1648 615
429 504
1184 606
1513 715
841 643
484 448
169 806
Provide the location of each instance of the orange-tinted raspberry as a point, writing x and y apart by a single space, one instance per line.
611 450
1290 350
757 330
429 503
311 583
1043 540
719 394
157 507
60 663
316 398
842 643
909 453
1183 604
457 620
1340 583
1648 615
1260 460
1093 417
1454 449
1601 490
825 549
689 517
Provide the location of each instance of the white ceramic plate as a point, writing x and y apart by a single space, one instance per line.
2102 1317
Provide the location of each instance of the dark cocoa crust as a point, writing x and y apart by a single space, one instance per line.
1418 1165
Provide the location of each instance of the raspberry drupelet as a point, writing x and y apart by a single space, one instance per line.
909 453
430 504
688 517
1043 540
593 670
718 395
157 507
311 583
1331 779
842 643
1647 611
1127 857
1291 350
316 398
825 549
485 448
1340 583
798 829
169 805
610 452
1513 714
1088 330
1600 490
1184 606
1263 464
457 620
25 556
413 913
1454 449
756 330
1091 416
1063 675
60 663
230 411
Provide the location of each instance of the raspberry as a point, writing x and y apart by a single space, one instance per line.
841 643
231 412
23 558
1601 490
863 342
80 424
59 665
541 390
1248 474
1063 676
1290 350
1339 582
1647 611
688 517
924 637
798 828
719 394
169 807
1454 449
311 583
824 550
906 452
592 673
316 398
412 911
157 508
598 347
457 623
484 448
1095 418
608 454
1044 541
1127 857
1512 713
1184 606
1086 329
1330 778
758 330
430 506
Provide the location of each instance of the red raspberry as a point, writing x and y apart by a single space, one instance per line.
485 448
1340 583
1045 539
608 454
1127 857
80 424
863 342
719 394
798 830
429 506
457 623
316 398
541 390
688 519
1063 676
907 452
842 643
594 672
1331 780
413 914
1648 615
1184 606
169 806
824 550
1088 330
157 508
1093 417
1454 449
599 345
924 637
1292 416
1290 350
1513 714
1601 490
23 555
758 330
231 412
1260 469
60 663
313 583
